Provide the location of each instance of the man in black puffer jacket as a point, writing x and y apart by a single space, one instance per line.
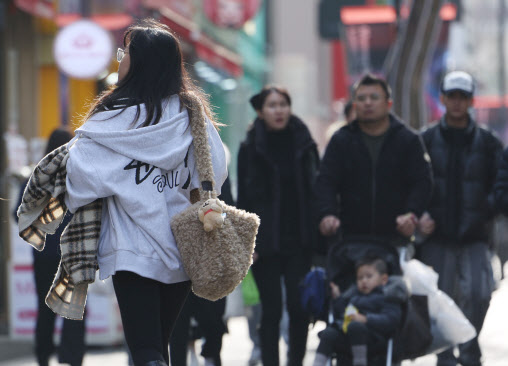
379 169
464 160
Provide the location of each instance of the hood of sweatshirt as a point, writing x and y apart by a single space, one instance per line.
163 145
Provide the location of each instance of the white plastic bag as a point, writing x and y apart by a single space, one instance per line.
422 278
449 326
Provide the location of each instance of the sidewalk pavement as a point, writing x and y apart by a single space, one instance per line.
237 346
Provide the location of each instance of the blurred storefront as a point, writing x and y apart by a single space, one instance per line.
224 44
224 52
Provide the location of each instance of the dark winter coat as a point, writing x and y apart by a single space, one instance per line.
259 188
383 314
501 185
371 197
479 160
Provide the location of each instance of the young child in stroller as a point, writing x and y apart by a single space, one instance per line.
366 318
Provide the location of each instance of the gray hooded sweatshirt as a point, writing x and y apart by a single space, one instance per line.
144 176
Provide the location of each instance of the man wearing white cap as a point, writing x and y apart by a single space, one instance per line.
464 161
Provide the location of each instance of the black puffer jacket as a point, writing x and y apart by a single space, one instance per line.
259 188
479 160
372 197
501 186
383 313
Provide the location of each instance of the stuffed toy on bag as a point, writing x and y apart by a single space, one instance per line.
210 214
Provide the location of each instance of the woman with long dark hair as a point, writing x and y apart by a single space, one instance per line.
277 164
135 152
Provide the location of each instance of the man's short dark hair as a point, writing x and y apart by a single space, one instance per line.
377 262
370 79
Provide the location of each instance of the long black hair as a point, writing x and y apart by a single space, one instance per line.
155 73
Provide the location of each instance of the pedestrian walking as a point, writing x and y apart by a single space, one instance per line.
71 349
464 161
135 152
373 184
277 164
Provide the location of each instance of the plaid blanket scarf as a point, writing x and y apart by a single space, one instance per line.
41 211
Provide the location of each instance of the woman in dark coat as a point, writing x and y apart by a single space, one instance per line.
277 164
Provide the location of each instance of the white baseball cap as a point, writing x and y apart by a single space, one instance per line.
458 80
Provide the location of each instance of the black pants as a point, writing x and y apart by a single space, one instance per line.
149 310
72 340
334 340
267 272
208 315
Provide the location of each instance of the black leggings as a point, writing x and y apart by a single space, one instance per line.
149 310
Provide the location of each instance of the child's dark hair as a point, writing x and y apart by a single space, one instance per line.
376 262
370 79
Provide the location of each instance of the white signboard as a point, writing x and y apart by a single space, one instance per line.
83 49
103 324
21 251
17 151
23 301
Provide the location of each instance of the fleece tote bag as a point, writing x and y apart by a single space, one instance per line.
216 261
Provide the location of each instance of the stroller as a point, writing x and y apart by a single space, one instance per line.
413 336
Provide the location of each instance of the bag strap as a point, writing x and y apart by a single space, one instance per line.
202 153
